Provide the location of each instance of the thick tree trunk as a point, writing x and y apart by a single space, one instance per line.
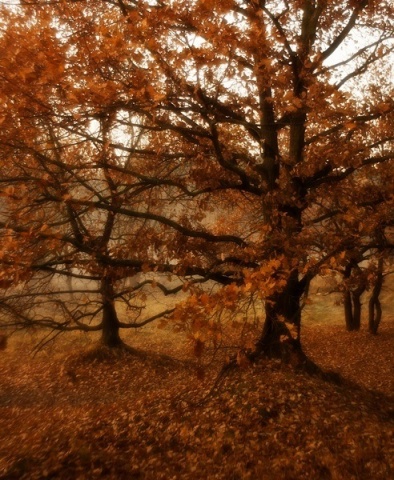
375 309
110 332
110 323
284 307
270 342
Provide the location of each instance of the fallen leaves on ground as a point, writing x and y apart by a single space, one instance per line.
146 415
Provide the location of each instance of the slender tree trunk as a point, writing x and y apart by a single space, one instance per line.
352 302
347 300
356 300
110 323
348 308
375 308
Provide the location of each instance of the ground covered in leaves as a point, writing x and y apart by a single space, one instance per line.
70 412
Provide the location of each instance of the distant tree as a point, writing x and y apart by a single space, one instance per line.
53 232
379 272
253 116
358 280
352 295
374 306
81 211
363 267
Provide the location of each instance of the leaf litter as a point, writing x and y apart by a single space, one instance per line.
147 415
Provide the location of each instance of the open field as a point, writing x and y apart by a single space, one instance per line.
72 412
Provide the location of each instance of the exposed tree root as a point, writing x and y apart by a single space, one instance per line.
100 353
293 357
291 353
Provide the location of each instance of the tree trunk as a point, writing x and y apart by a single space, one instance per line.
352 306
352 302
284 307
348 308
356 299
110 323
375 308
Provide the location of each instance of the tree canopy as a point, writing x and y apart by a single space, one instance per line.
244 142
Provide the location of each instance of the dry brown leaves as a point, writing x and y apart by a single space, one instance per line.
147 416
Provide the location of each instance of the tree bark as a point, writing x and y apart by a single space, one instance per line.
284 307
348 309
375 308
352 306
110 323
356 300
352 302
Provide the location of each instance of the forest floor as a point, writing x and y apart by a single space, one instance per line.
72 412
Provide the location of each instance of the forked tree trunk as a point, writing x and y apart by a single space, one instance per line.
375 308
352 305
110 323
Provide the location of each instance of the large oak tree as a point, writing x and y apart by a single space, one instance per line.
248 142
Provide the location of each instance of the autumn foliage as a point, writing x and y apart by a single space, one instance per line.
226 151
199 166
